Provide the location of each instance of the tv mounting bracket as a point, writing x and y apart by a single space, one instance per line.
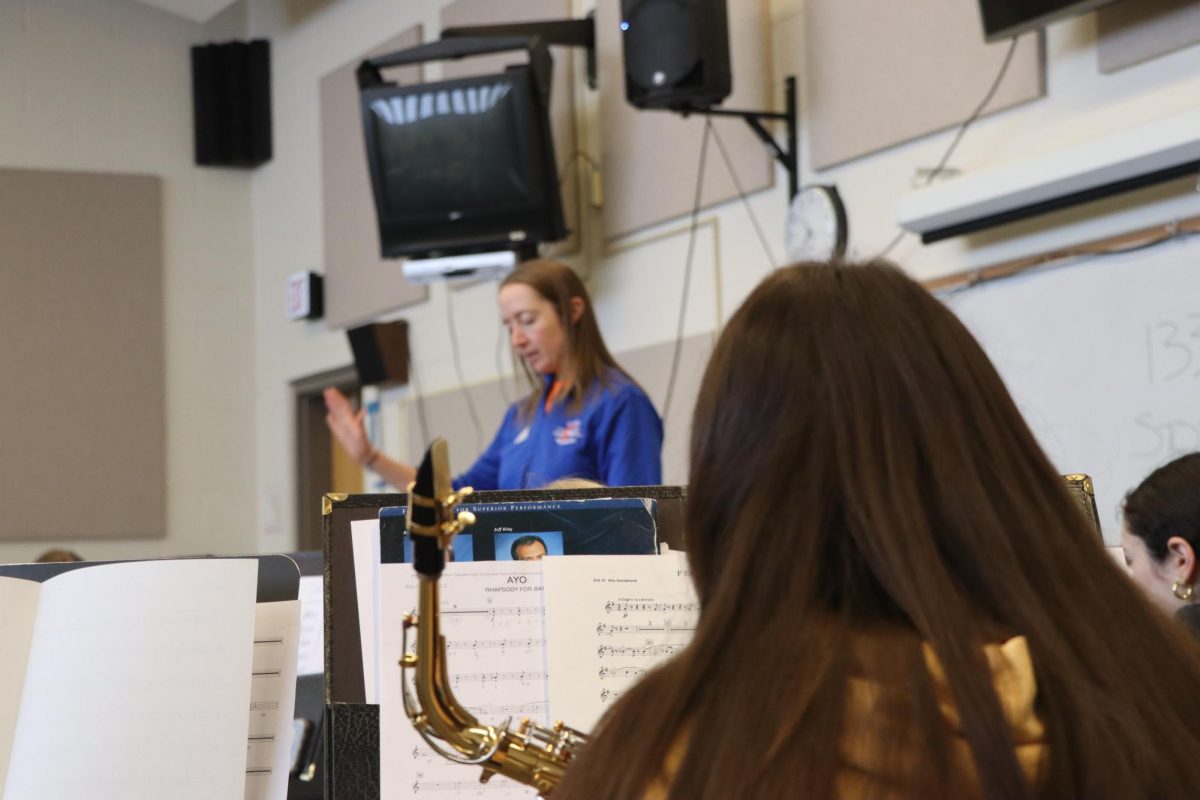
567 32
478 40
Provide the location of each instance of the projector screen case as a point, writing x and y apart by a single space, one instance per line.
1138 156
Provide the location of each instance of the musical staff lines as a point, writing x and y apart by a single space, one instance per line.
609 621
621 672
626 607
494 644
658 650
666 626
492 612
484 678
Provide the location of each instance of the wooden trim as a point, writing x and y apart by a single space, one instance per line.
1143 237
314 456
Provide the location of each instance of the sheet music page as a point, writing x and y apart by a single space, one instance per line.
272 699
608 620
19 601
311 658
492 619
137 683
364 543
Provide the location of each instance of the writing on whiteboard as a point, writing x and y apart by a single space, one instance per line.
1173 349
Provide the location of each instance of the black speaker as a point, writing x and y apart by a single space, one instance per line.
231 102
676 53
380 352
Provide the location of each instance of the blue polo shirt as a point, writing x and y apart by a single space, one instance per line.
615 439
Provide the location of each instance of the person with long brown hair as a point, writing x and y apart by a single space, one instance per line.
584 417
899 597
1161 538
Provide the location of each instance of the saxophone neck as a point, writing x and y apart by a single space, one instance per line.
447 717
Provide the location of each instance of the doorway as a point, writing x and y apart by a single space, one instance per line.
321 466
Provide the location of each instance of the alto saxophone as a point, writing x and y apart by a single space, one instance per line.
531 754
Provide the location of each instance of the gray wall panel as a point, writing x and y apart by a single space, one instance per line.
83 434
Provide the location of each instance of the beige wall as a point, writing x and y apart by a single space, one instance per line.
104 85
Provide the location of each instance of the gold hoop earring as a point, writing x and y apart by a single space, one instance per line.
1183 591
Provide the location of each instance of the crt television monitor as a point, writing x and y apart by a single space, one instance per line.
1003 19
462 166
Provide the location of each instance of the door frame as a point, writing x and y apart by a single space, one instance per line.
314 457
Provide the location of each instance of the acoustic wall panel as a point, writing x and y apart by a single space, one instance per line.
83 428
650 158
359 285
1133 32
461 13
879 74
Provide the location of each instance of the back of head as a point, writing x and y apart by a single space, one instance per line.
58 555
574 483
1166 504
587 354
854 390
860 473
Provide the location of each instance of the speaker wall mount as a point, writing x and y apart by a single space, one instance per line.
677 59
788 154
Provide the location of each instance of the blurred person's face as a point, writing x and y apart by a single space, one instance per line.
1156 578
534 551
534 329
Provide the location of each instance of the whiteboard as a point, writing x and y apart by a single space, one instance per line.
1103 359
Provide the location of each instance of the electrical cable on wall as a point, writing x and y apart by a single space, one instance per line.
962 129
501 378
462 381
419 399
687 274
745 200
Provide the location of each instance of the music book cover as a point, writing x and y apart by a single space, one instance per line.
529 530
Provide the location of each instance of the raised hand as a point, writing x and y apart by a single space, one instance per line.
347 426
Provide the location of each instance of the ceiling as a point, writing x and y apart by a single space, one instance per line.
195 10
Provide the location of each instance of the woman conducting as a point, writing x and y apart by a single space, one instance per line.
583 418
1161 538
899 597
